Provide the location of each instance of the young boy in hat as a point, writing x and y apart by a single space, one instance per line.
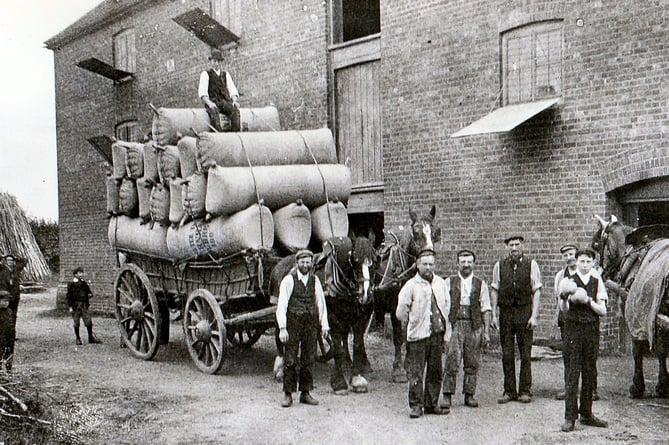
582 301
219 94
78 296
299 312
423 306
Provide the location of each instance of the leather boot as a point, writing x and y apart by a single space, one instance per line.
92 339
471 401
77 337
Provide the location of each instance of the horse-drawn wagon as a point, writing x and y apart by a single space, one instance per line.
218 299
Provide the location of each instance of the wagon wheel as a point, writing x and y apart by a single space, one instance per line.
245 337
137 312
204 330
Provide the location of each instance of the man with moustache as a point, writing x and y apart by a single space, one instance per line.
470 319
423 307
516 289
299 311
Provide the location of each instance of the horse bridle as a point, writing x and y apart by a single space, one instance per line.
395 250
337 281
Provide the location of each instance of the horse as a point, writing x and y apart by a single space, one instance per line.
634 263
344 269
396 265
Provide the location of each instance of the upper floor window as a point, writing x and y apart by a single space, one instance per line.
228 13
353 19
124 51
532 62
128 131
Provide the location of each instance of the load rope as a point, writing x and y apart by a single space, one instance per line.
325 188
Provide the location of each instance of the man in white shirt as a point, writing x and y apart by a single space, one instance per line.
219 93
299 312
470 319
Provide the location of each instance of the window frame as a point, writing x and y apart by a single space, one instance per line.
125 50
128 131
528 77
227 13
338 26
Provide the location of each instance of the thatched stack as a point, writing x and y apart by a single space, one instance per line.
219 193
17 238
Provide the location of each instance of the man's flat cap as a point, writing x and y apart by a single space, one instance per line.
514 237
466 252
587 251
303 254
567 247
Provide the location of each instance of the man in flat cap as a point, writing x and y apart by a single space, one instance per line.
470 319
219 94
583 300
299 313
78 299
568 252
10 282
422 307
516 289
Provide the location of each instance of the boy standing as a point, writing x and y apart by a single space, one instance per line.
78 296
581 306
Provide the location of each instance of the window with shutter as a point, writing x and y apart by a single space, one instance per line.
532 62
124 51
128 131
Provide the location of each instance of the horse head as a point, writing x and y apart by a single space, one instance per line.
364 260
423 234
339 276
609 241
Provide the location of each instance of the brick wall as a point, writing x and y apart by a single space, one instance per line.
280 62
544 179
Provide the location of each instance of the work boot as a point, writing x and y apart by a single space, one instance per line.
506 398
286 400
560 395
595 396
77 340
306 398
436 410
594 421
525 398
567 426
471 401
446 401
416 412
92 339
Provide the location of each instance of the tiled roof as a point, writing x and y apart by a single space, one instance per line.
106 11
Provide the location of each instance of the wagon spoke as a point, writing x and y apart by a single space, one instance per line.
150 327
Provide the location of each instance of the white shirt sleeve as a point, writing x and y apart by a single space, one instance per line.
203 86
322 308
285 291
232 89
485 297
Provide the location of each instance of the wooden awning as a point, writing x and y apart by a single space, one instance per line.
206 28
97 66
103 145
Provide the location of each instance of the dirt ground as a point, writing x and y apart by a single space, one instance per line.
100 394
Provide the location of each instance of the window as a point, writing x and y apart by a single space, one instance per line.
532 62
128 131
227 13
354 19
124 51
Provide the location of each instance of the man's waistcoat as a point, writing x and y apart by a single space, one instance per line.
218 87
581 312
303 298
474 303
515 287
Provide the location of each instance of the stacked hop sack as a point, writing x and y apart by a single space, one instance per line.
214 194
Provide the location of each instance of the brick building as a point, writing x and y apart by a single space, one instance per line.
570 92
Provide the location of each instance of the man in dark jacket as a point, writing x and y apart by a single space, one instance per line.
219 94
10 281
78 296
516 289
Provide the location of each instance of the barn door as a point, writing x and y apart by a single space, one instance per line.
359 122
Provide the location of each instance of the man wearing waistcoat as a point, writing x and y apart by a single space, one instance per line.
581 307
299 312
219 93
422 307
568 252
516 289
470 318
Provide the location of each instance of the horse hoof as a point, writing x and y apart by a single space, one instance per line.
341 392
359 384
